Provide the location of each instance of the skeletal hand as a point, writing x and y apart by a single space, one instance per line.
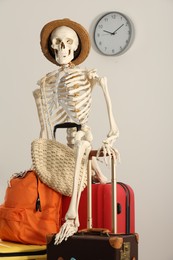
107 151
67 229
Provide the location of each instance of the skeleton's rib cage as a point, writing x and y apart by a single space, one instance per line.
64 96
74 95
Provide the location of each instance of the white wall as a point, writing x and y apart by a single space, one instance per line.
140 83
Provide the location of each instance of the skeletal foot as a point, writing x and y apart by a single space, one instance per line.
67 229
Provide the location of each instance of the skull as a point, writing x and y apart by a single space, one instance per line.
64 43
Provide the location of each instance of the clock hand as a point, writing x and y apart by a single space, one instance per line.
107 31
113 33
117 29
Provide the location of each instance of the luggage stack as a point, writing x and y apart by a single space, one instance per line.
107 229
107 226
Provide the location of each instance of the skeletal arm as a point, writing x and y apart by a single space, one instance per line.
45 99
37 97
113 132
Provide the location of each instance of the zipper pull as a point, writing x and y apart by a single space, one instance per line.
38 204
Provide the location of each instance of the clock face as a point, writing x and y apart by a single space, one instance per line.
113 33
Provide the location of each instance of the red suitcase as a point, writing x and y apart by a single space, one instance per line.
95 244
102 207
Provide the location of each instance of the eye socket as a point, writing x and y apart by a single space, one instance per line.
57 41
70 41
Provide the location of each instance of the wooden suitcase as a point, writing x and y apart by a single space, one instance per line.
96 244
16 251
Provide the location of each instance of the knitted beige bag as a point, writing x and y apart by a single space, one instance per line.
54 163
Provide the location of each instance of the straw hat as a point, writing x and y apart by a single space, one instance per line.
84 41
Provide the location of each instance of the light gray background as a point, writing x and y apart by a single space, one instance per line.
140 83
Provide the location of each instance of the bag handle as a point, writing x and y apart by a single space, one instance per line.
96 231
66 125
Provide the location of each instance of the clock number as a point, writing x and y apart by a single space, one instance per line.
100 26
113 16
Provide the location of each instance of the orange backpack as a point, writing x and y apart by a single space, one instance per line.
30 211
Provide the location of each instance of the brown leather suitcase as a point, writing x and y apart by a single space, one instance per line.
92 243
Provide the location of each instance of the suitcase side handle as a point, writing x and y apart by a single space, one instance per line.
95 231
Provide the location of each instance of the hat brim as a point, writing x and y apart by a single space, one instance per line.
84 40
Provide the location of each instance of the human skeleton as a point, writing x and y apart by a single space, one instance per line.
65 96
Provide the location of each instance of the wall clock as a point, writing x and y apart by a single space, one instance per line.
113 33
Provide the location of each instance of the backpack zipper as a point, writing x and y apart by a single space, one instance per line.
38 202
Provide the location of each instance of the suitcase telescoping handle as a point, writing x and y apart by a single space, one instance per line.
66 125
93 153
